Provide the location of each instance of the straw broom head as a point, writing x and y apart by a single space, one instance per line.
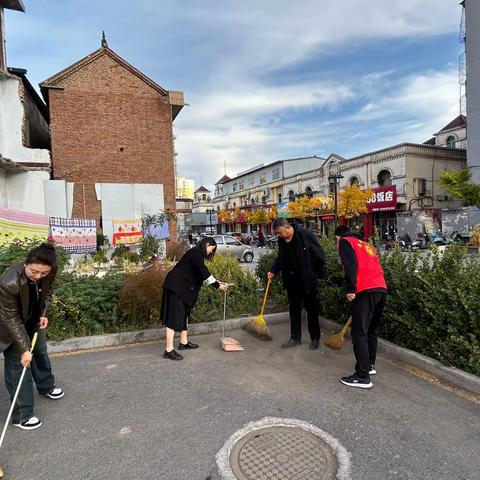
336 342
259 328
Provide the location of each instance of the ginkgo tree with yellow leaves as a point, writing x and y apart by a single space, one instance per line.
307 207
228 216
352 202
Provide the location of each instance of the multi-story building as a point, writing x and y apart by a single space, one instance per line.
112 141
185 187
260 186
24 135
471 35
404 179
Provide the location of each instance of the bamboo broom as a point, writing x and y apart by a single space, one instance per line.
336 342
258 326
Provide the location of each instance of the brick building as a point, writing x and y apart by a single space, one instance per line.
111 125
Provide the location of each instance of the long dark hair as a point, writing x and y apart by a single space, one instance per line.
204 243
44 254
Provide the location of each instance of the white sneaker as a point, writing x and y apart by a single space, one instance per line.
30 424
372 370
55 394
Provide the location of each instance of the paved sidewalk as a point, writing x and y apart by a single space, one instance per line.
130 414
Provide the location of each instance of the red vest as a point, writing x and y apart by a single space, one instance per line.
369 270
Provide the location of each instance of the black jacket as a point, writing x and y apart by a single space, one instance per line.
14 299
187 276
310 259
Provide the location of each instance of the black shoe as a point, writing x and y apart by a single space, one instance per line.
292 342
173 355
355 381
187 346
313 345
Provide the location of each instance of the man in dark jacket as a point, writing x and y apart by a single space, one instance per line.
301 260
25 295
367 290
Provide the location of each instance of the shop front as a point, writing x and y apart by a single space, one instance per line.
381 215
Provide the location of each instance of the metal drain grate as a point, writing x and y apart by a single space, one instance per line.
282 453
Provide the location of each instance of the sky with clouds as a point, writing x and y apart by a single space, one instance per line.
266 79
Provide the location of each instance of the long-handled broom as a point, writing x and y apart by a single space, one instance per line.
336 342
9 416
257 326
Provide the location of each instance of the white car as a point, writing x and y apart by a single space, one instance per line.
227 245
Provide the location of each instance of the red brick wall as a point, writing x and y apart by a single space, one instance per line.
109 126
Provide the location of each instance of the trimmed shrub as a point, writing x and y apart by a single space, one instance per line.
84 305
242 299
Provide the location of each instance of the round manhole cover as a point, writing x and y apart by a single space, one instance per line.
282 453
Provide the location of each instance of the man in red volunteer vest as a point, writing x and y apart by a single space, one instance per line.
367 290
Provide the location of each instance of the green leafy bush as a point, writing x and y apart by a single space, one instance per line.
242 299
277 299
433 302
84 305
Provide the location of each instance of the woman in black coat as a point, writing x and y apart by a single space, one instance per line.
180 292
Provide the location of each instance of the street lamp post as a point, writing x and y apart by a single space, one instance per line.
209 213
334 175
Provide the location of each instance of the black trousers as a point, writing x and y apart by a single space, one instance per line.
367 309
40 372
298 297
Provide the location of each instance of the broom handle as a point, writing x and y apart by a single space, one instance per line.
34 341
224 313
265 296
345 328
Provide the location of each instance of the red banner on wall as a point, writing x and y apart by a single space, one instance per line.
383 199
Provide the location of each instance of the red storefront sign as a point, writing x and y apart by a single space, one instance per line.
383 199
326 218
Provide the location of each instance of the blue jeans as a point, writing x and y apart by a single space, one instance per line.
40 371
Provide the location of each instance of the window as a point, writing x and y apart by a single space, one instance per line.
235 186
354 181
218 239
241 185
276 174
309 192
263 178
204 197
279 198
251 182
264 200
231 241
384 178
451 140
234 205
291 196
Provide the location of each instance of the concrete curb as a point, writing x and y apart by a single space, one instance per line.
455 376
125 338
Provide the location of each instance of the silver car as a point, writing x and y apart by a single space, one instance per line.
227 245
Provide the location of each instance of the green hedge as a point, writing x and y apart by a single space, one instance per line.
433 304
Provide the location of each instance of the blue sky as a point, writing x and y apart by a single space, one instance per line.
266 79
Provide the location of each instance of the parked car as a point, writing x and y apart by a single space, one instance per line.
227 245
240 237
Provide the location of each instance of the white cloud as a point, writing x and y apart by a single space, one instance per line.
221 52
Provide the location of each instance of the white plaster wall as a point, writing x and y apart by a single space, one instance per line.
11 121
25 191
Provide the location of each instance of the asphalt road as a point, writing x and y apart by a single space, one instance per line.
130 414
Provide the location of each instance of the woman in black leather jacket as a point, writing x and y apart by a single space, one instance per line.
25 295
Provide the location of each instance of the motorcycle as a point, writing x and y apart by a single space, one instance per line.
405 242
